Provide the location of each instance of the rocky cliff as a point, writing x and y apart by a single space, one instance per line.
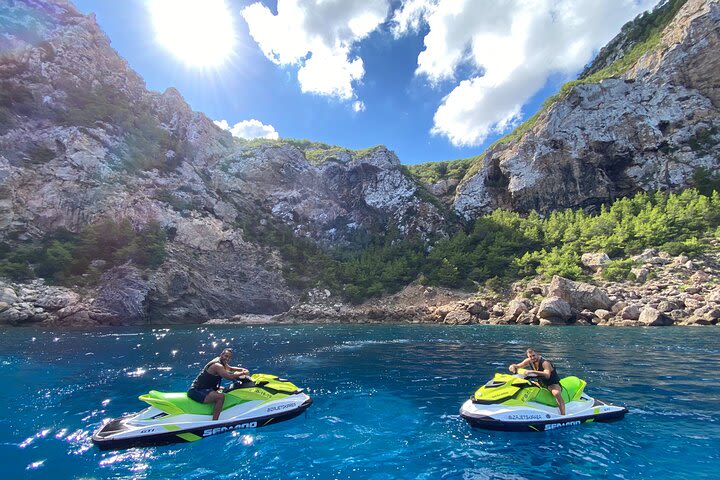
630 124
83 140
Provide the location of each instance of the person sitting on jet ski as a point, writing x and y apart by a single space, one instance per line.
545 372
204 388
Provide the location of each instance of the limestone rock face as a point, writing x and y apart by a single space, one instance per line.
8 296
516 308
603 314
458 317
648 129
579 295
14 316
595 261
334 200
652 317
56 298
122 294
83 140
555 308
631 312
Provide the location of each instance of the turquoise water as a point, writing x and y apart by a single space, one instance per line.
386 402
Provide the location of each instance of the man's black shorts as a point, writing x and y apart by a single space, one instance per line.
199 394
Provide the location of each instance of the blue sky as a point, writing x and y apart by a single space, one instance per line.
431 79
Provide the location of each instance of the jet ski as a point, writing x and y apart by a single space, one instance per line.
173 417
517 403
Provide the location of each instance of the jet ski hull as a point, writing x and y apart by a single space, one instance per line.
537 417
122 433
174 417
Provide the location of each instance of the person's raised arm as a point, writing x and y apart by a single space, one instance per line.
545 372
241 370
514 367
217 369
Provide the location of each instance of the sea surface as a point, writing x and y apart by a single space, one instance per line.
386 402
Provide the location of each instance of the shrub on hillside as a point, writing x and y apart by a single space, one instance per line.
508 246
618 270
64 257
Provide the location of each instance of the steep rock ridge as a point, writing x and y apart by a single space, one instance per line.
650 128
331 201
377 179
90 142
67 146
697 63
82 140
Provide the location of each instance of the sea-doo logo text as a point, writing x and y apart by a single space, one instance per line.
214 431
280 407
553 426
514 416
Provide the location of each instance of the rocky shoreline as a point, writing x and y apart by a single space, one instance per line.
667 291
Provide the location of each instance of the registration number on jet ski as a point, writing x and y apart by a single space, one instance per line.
520 416
213 431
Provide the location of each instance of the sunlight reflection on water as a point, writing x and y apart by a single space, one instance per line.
386 402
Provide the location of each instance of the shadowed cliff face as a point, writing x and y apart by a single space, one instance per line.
82 139
650 128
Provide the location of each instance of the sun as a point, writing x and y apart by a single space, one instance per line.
200 33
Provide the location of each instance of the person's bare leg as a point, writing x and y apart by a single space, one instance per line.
557 393
219 400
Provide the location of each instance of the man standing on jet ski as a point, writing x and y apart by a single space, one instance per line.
545 372
204 388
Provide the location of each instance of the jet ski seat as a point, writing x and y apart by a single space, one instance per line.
176 403
572 389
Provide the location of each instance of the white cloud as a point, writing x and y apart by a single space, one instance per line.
358 106
410 15
513 46
317 36
249 129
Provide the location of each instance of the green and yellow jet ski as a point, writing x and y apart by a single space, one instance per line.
173 417
516 403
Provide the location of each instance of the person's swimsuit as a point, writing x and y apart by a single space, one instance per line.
554 378
204 383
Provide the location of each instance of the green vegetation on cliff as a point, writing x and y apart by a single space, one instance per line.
636 36
504 246
705 182
433 172
304 264
316 153
497 248
67 258
14 100
146 142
